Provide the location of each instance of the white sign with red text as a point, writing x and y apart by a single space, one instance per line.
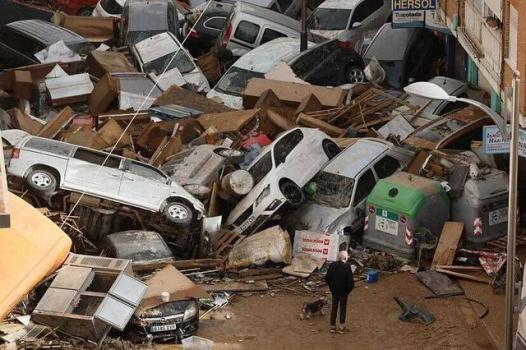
319 245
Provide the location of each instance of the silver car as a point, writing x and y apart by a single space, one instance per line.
48 165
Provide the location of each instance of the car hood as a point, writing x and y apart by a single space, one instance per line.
235 102
315 217
328 34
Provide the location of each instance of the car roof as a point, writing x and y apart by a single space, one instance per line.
264 57
351 161
45 32
339 4
269 15
381 48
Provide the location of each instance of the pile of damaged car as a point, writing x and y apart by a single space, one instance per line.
254 174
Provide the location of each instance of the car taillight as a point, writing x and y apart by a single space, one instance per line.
228 32
15 153
371 209
347 45
194 34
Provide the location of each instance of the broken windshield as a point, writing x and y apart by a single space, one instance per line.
332 190
181 61
330 19
236 80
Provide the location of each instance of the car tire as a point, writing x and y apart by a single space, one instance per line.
85 11
179 214
354 75
330 148
292 192
42 181
233 155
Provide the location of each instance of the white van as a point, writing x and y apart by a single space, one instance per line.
249 26
252 65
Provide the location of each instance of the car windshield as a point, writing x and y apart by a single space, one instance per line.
133 37
332 190
235 80
181 61
440 130
330 19
259 169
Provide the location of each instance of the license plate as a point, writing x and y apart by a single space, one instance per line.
163 328
247 223
498 216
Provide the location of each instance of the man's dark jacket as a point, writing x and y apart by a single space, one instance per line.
340 279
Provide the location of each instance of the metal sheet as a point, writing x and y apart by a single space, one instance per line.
128 289
114 312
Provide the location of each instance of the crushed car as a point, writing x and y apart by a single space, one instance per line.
48 165
279 174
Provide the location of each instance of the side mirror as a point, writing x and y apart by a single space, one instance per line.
356 25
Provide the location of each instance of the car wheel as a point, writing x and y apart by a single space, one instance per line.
233 155
85 11
292 192
355 75
179 214
42 181
331 149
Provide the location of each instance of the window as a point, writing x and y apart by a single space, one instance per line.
313 57
386 166
236 79
270 34
333 190
285 145
20 43
514 25
247 32
58 148
261 168
145 171
98 158
284 4
215 23
364 186
365 9
329 19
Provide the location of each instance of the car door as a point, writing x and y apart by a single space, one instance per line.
363 186
93 172
143 185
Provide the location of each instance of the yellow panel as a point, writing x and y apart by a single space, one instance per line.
32 248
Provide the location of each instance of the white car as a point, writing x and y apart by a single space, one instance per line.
48 165
254 64
337 204
279 174
155 53
349 19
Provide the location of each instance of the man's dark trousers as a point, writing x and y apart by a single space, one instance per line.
338 299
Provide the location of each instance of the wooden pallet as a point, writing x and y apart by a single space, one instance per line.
502 242
227 241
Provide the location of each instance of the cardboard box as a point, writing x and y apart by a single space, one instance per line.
291 93
101 62
103 95
22 84
319 245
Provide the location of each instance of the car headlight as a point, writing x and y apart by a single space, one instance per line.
190 311
263 195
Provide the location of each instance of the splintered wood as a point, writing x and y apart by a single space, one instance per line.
371 108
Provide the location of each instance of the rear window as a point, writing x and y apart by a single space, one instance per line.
235 80
58 148
215 23
330 19
270 34
247 32
284 4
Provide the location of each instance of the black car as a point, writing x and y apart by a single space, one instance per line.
143 19
330 63
204 28
20 40
416 56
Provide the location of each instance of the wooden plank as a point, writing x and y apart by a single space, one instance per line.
305 120
448 243
459 268
54 126
464 276
267 277
236 287
5 217
228 121
197 263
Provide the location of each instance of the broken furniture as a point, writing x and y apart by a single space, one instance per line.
89 296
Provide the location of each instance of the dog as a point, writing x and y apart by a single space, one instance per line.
313 308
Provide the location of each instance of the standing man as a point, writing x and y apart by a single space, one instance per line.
340 279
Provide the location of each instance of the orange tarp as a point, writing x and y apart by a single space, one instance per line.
31 249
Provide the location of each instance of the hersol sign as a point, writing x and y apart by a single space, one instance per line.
414 5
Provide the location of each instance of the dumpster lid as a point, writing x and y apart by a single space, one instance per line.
487 186
404 193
